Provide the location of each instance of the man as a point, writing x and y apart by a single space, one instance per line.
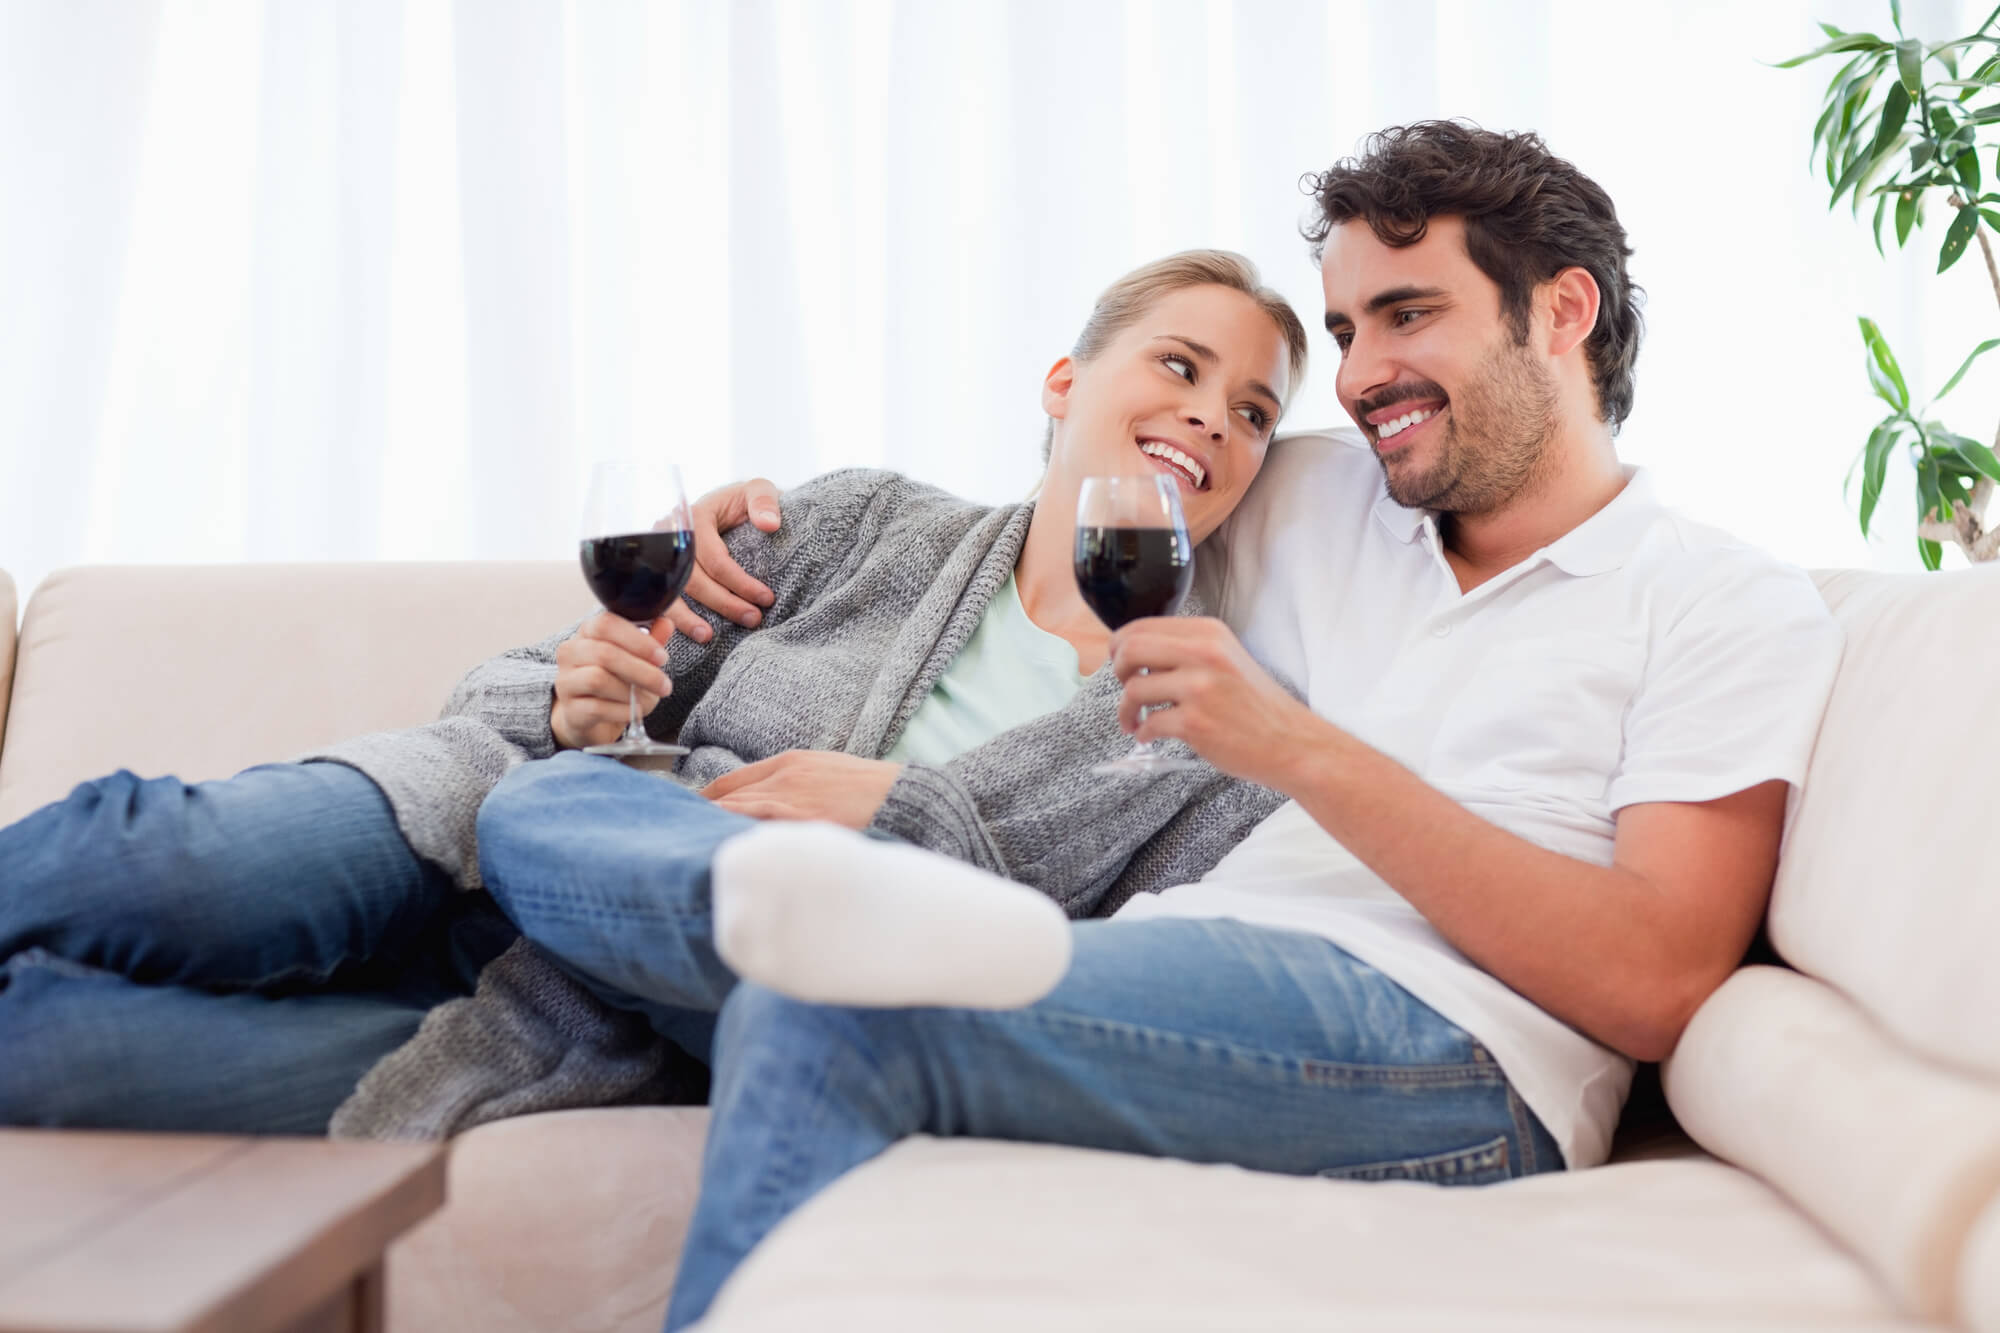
1538 782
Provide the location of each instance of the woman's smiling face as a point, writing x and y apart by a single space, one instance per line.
1192 389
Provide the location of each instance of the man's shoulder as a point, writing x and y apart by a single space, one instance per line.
1692 564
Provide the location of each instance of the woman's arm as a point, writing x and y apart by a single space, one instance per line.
543 697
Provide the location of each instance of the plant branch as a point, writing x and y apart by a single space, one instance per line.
1986 248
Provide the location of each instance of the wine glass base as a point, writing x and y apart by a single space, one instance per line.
1146 765
638 753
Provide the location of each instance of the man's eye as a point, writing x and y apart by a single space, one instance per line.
1406 316
1343 341
1180 365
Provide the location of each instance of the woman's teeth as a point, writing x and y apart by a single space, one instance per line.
1403 423
1196 473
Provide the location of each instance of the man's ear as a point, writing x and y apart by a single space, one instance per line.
1572 299
1056 386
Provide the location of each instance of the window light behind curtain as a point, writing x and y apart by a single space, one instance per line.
346 279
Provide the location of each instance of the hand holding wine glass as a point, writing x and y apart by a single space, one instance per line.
1133 559
637 554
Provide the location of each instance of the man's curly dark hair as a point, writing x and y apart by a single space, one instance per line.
1528 215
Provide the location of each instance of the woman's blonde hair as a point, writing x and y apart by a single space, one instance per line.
1132 295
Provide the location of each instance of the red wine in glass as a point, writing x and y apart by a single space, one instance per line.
1133 560
638 575
1126 574
637 552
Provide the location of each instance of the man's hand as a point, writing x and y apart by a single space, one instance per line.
719 583
1230 710
595 669
807 784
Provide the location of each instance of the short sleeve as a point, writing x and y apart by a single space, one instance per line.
1734 687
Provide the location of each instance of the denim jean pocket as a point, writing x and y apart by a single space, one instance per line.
1482 1164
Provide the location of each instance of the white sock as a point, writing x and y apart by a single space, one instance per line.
821 913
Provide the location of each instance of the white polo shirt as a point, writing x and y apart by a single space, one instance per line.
1639 658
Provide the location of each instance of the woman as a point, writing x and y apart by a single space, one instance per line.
295 923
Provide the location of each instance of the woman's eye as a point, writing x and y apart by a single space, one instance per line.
1255 416
1180 365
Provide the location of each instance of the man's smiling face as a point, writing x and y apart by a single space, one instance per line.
1458 410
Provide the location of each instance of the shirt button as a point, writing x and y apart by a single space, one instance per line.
1440 631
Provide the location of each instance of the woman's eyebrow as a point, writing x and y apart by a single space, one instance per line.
1207 354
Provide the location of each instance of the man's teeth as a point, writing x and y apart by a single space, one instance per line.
1403 423
1195 471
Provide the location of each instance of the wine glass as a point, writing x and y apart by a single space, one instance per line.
1133 559
638 554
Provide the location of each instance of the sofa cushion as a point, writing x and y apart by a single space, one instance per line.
1893 1154
571 1220
203 671
974 1235
8 610
1885 885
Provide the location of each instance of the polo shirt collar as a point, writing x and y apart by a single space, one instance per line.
1597 545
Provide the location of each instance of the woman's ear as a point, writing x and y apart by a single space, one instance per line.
1056 386
1573 300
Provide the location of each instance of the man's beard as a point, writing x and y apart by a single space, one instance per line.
1496 437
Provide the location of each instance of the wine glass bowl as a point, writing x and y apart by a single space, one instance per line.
637 553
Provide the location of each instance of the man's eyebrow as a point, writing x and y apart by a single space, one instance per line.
1207 354
1382 300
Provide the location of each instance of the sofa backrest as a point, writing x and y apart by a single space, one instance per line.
7 611
1886 886
201 671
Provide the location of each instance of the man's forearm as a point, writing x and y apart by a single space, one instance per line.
1599 947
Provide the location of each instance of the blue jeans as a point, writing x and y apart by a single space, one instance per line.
225 956
1212 1041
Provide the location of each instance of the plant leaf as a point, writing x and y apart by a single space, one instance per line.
1854 41
1979 456
1929 497
1875 466
1959 374
1883 372
1957 236
1910 64
1968 170
1906 215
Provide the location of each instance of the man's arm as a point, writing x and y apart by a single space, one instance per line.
1624 952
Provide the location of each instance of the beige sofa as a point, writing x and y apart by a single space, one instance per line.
1845 1163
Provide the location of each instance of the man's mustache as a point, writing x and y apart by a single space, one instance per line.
1400 393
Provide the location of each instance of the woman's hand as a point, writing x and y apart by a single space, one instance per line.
595 668
719 583
807 784
1230 710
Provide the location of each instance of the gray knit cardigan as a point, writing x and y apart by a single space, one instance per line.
879 582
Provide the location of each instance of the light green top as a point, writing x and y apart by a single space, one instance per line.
1010 671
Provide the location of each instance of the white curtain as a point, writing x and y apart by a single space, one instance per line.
345 279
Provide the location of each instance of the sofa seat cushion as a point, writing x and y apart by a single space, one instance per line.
572 1220
976 1235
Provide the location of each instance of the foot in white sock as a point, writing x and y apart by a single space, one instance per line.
821 913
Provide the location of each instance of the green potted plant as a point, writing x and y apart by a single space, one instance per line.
1904 123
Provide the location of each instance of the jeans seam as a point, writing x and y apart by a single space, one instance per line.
1305 1070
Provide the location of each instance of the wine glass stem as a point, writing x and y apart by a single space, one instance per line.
634 729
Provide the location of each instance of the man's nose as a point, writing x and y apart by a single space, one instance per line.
1364 370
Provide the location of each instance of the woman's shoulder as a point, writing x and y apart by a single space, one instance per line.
881 499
